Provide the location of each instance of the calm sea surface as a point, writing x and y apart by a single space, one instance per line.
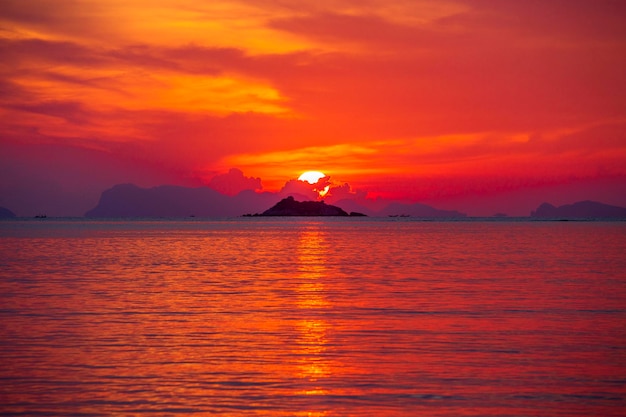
312 317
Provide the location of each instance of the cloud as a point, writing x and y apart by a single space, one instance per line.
299 189
234 182
415 77
338 192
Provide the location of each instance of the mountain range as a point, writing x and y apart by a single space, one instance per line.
579 210
128 200
5 213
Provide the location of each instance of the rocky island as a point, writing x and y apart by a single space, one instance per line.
290 207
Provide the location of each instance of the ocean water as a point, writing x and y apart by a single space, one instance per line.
312 317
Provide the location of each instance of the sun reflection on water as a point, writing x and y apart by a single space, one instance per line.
313 329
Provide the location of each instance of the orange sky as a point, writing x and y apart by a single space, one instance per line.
477 105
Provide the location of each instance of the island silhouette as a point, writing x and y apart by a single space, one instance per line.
579 210
5 213
290 207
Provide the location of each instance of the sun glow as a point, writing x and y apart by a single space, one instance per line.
311 177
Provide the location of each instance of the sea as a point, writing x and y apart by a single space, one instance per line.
312 317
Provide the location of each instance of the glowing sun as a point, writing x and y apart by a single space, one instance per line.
311 176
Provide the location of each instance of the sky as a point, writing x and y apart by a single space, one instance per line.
482 106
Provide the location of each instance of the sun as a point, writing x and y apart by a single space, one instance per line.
311 176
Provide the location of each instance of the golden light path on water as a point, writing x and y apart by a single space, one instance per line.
313 331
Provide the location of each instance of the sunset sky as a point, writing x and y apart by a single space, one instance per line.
478 105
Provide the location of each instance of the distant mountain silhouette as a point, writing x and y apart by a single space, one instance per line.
418 210
579 210
5 213
290 207
128 200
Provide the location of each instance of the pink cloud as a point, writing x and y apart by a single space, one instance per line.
300 189
233 182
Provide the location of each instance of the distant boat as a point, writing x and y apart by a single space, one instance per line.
40 216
